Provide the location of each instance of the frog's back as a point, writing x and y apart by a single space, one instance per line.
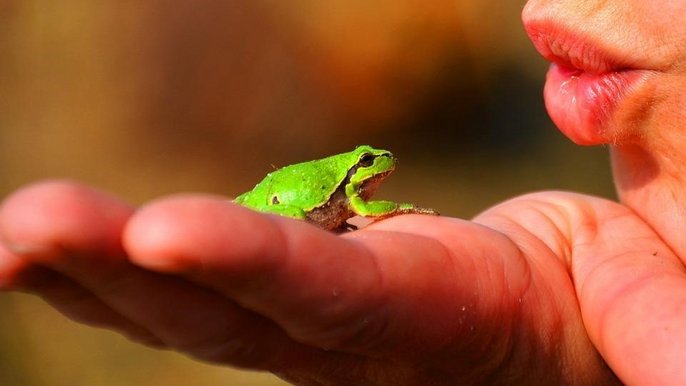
257 197
305 185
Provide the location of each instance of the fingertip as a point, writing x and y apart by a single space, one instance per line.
46 216
155 233
185 233
28 215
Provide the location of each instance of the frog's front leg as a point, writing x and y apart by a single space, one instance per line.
378 208
381 209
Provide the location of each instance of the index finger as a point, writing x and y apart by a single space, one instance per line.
351 293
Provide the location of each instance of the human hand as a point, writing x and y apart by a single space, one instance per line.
412 300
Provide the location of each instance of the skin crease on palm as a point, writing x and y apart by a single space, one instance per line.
547 288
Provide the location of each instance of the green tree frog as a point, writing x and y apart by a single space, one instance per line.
329 191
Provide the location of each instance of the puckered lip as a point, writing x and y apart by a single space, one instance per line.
588 80
560 45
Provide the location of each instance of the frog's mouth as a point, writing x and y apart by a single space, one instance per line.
371 184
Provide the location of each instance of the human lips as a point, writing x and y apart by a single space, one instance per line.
585 83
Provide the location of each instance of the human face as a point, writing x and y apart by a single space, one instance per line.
618 76
618 72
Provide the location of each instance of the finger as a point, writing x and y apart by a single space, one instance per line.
42 218
632 291
232 248
630 286
75 231
356 293
68 297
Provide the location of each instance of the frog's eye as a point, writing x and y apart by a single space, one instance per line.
366 160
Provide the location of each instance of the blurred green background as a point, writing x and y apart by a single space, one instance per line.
147 98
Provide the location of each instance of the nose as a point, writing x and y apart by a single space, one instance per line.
528 10
536 10
571 12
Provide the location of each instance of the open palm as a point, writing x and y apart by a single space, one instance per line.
535 289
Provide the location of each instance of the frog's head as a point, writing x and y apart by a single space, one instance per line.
371 166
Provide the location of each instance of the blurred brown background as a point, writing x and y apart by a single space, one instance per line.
147 98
